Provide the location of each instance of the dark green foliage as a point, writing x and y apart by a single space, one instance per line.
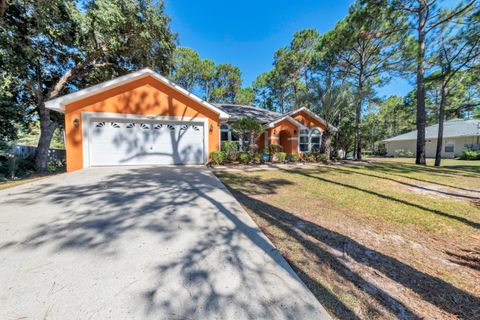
309 157
231 150
218 157
248 130
292 158
244 157
470 155
59 46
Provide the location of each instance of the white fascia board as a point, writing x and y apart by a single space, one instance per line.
272 124
59 103
312 114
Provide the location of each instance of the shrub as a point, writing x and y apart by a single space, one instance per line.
257 158
410 154
399 152
248 130
282 156
244 157
321 157
292 157
231 150
273 149
470 154
309 157
218 157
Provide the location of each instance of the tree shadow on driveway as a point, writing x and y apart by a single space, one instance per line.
209 260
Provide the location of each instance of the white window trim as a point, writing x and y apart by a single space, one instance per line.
88 116
229 134
309 139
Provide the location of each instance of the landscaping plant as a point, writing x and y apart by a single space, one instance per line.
282 156
273 150
292 157
244 157
218 157
470 154
231 150
248 130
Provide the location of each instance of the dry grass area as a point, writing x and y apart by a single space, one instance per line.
382 240
13 183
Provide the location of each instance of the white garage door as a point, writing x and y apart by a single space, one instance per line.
127 142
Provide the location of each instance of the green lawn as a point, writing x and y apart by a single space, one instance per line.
382 240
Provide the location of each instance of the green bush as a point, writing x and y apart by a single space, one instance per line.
309 157
231 150
282 156
273 151
218 157
257 158
321 157
275 148
244 157
399 152
470 154
292 158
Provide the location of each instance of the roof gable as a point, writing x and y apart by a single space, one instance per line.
58 104
312 115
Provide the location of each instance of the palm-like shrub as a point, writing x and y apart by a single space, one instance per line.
248 130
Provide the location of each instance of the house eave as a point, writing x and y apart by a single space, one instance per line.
58 104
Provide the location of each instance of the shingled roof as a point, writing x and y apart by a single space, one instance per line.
452 128
237 111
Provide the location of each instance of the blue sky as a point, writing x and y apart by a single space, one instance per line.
247 33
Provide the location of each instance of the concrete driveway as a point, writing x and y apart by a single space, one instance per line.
140 243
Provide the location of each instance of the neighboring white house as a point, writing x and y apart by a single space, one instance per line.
458 135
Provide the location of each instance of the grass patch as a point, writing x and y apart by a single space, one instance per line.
18 182
383 240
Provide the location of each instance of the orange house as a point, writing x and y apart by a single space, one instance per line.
144 119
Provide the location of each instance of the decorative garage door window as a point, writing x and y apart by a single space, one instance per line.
143 142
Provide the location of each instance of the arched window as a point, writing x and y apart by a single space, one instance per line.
303 143
315 140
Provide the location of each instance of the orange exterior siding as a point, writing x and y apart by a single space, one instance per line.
284 133
308 121
146 96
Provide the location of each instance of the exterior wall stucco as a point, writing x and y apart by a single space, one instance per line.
431 145
146 96
308 121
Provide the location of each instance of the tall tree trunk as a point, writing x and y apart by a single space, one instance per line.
3 7
420 156
441 119
358 113
326 143
47 128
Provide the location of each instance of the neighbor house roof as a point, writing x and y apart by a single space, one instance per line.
452 128
237 111
59 103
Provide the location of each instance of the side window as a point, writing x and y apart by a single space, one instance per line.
449 146
225 132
